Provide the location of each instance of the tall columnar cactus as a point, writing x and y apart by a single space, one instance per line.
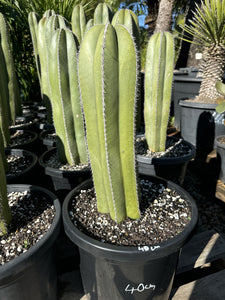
102 14
108 82
4 103
13 93
5 213
78 21
158 86
41 32
129 19
65 97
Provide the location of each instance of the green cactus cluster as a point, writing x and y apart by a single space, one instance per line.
158 87
10 102
108 72
55 48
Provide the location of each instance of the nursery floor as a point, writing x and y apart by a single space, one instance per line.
201 270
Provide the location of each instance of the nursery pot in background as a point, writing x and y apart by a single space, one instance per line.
122 272
29 173
63 181
200 125
220 148
185 85
167 167
32 275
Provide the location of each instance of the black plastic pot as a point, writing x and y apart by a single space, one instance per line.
184 86
49 143
31 144
166 167
121 272
220 149
62 180
29 174
200 125
32 275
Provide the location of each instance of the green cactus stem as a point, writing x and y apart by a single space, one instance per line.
102 14
78 21
2 151
89 24
5 213
41 32
14 100
158 86
65 97
108 79
129 19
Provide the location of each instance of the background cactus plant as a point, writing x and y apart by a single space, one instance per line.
57 53
78 21
10 102
65 97
220 108
129 19
102 14
108 71
158 86
5 213
41 32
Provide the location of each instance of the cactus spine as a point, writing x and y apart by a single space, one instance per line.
158 85
65 97
108 78
102 14
5 213
12 83
78 21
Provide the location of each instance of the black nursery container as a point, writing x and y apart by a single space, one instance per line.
122 272
32 275
167 167
62 181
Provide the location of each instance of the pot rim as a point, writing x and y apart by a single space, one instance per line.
169 160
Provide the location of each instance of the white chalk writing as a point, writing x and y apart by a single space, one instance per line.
140 288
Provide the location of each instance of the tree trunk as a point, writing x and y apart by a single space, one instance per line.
164 19
213 69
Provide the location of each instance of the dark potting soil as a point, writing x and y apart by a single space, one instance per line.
17 164
32 215
174 148
164 214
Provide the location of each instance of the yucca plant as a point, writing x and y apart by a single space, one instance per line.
158 86
208 29
108 72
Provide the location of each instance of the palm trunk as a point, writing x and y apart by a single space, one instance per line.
164 19
213 70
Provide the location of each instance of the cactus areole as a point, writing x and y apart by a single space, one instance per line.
108 68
